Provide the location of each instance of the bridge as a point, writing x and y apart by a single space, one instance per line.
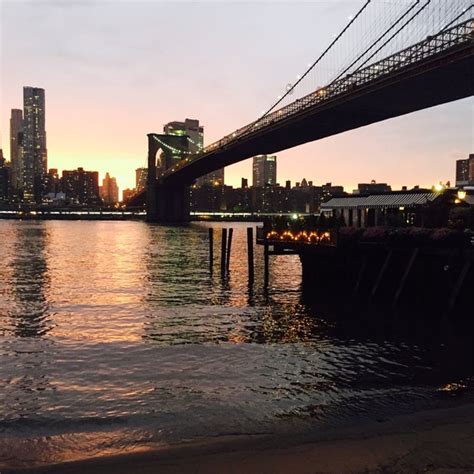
433 71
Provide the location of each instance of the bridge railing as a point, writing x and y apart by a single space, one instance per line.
442 41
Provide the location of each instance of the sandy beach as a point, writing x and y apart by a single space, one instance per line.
437 441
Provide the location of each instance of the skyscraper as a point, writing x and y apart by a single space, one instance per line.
190 128
465 171
141 175
81 186
35 160
264 170
16 150
195 133
109 190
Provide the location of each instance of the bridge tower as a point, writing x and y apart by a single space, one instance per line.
166 202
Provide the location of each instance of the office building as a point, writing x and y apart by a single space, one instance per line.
141 175
109 190
127 194
462 172
264 171
16 150
373 188
465 171
170 156
195 134
35 160
80 186
53 182
4 178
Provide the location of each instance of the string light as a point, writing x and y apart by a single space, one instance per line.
312 237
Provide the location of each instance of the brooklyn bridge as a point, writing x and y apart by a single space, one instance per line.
416 56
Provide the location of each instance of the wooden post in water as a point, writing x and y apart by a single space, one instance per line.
211 248
266 263
250 254
229 245
223 251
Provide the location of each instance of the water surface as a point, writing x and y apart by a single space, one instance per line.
115 336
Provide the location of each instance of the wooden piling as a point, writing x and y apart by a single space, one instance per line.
229 245
266 263
211 248
250 254
223 251
405 277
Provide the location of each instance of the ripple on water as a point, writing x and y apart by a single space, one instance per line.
116 337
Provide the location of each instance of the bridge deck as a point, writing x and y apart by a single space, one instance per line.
430 73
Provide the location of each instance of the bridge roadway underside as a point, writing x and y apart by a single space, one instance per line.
442 78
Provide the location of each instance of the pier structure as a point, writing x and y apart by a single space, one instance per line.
400 271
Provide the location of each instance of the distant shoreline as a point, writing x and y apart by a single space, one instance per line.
116 216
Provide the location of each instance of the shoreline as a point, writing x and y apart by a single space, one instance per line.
440 440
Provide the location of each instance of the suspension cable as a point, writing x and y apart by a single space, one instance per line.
394 34
377 41
321 56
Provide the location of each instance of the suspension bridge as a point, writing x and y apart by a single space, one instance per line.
404 56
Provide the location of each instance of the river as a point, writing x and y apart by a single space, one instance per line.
116 337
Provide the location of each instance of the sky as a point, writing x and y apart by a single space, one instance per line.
114 71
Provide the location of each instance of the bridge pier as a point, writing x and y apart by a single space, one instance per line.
172 204
166 203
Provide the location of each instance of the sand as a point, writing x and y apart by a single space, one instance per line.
437 441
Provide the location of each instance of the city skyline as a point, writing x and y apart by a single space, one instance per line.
98 126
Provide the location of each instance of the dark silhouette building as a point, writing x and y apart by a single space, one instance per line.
262 199
109 190
80 186
264 170
4 178
16 151
465 171
373 187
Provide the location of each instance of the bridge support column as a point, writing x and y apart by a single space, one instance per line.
165 203
151 183
172 203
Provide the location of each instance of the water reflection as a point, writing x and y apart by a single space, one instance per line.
217 309
30 281
120 327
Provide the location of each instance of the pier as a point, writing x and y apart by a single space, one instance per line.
407 269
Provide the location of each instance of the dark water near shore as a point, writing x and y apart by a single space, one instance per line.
114 336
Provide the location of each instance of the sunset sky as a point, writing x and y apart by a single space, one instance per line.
114 71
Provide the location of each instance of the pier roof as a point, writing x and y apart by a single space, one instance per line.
375 201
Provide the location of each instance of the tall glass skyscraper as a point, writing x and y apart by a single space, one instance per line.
35 157
16 151
195 134
264 170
